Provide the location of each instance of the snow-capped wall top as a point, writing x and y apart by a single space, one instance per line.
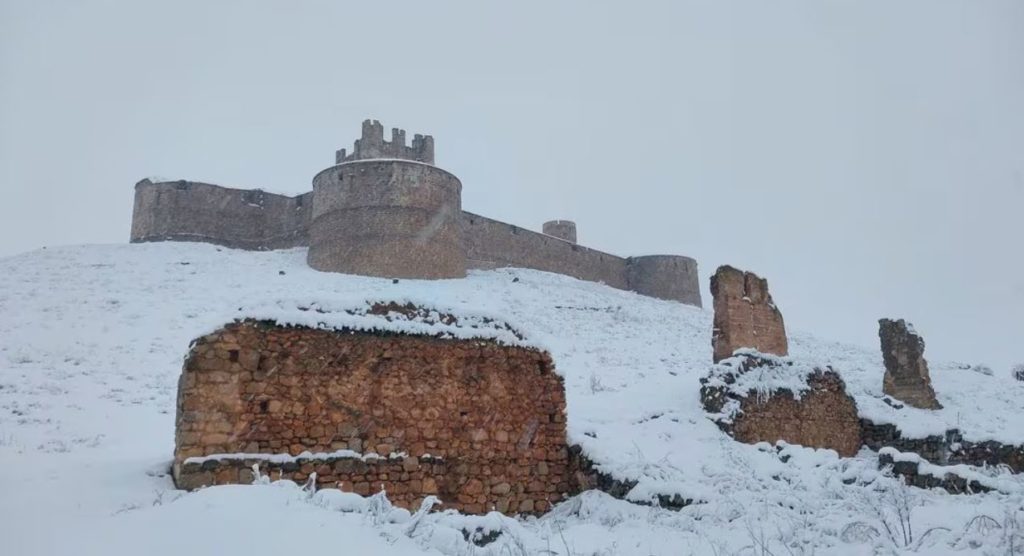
394 316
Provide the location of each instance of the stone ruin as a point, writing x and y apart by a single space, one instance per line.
478 423
823 416
745 315
906 371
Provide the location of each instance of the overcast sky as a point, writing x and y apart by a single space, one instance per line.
867 157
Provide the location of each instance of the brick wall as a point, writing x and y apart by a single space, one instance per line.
479 424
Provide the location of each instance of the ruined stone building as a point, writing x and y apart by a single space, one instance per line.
472 419
386 210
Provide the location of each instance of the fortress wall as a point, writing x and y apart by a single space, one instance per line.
243 219
665 277
492 244
389 218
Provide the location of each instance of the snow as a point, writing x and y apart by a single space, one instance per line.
92 339
288 458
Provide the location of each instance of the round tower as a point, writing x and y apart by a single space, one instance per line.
562 229
665 277
386 210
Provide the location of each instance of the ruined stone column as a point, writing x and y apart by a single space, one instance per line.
906 371
745 315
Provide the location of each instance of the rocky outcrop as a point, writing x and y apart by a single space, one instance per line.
906 371
745 315
747 403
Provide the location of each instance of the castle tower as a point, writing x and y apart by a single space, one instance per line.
386 210
562 229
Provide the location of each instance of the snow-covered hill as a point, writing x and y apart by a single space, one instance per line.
92 340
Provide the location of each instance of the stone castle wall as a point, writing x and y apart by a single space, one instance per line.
492 244
242 219
396 219
385 210
386 239
479 424
665 277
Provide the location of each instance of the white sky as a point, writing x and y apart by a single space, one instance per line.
867 157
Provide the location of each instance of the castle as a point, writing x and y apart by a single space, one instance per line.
386 210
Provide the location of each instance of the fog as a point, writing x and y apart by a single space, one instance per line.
867 157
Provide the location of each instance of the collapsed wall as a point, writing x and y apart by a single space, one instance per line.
758 398
237 218
477 423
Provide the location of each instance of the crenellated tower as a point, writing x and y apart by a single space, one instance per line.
372 145
386 210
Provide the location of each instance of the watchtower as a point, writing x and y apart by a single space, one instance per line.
386 210
562 229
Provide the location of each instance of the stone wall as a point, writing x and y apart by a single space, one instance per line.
920 474
745 315
389 218
949 448
479 424
492 244
242 219
824 416
665 277
562 229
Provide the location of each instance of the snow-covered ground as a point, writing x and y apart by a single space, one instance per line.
91 345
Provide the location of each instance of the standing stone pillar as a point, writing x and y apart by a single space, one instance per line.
906 371
745 315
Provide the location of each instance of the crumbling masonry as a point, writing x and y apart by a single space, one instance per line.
479 424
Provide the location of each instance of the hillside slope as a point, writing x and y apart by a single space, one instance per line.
91 345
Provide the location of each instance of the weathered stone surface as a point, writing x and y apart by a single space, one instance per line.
824 416
479 424
906 371
745 315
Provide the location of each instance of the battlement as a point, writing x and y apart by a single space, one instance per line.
372 145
